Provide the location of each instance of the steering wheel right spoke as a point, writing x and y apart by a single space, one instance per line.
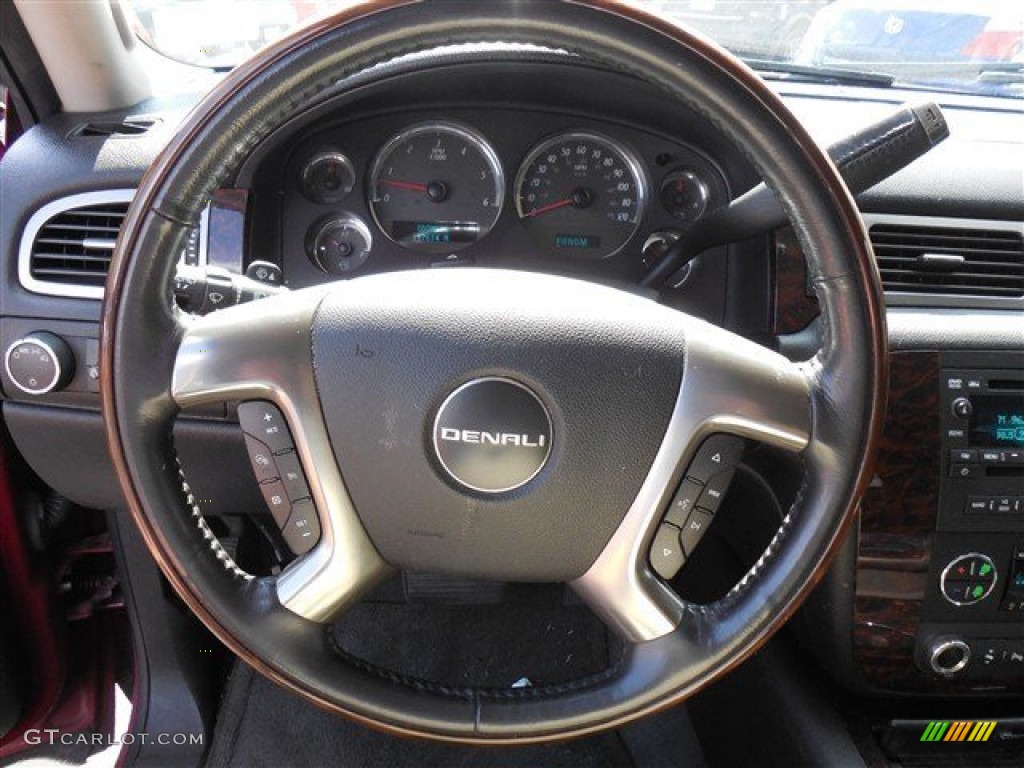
732 389
261 353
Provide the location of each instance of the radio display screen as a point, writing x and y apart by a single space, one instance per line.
997 421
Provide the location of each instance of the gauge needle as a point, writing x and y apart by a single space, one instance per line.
549 207
410 185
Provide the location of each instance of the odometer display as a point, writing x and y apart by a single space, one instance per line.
436 188
581 194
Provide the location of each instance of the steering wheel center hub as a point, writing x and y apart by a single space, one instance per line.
470 410
492 435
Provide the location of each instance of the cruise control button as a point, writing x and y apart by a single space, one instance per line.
683 502
666 552
302 531
277 501
714 491
290 472
264 422
261 458
717 454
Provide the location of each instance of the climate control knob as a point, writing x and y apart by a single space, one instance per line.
968 579
39 363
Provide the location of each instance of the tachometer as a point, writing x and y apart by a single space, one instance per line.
436 187
581 194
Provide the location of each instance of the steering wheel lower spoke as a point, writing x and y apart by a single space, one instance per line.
261 351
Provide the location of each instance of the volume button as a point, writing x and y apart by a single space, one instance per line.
962 408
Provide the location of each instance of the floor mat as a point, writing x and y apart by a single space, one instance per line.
532 635
261 725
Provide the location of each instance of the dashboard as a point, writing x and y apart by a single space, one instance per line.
570 169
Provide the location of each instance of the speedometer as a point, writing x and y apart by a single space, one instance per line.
581 194
436 187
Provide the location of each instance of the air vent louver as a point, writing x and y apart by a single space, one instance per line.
74 246
129 127
952 261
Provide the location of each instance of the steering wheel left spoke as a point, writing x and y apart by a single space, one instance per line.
261 351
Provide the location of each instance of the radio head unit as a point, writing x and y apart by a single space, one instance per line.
996 420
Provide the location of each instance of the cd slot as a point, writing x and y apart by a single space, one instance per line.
1006 385
1004 471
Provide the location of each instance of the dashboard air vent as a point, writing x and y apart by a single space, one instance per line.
67 244
128 127
982 262
74 246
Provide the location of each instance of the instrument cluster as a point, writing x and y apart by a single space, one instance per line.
443 189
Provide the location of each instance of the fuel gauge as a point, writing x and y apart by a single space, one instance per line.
327 177
685 195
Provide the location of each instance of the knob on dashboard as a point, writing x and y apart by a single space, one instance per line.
947 656
39 363
962 408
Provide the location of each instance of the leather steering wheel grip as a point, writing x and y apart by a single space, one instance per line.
142 329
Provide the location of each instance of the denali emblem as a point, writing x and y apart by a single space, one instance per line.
509 442
492 438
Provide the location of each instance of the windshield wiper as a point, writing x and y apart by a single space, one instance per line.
784 70
1002 73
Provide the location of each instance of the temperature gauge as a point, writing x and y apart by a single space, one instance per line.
339 244
685 195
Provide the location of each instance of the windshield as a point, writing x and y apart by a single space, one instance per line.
968 46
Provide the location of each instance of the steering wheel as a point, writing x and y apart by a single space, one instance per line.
486 423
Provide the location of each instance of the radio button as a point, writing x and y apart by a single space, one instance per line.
695 529
991 457
975 384
719 453
963 470
962 408
715 491
1003 505
667 552
978 505
963 456
1013 457
684 502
